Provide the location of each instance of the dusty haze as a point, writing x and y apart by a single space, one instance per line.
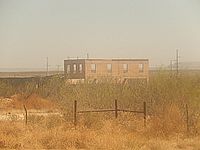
32 30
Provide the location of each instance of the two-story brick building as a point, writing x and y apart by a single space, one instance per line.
104 68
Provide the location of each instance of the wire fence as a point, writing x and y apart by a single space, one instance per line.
116 110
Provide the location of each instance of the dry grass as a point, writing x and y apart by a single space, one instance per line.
166 97
113 134
17 101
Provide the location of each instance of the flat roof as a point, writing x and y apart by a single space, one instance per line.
103 59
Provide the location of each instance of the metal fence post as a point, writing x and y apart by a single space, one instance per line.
187 118
116 109
75 113
26 115
145 114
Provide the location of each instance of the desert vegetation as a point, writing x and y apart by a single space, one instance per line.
166 96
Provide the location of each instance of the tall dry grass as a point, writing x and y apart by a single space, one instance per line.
166 96
56 133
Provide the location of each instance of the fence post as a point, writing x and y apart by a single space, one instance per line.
116 109
187 118
75 113
145 114
26 115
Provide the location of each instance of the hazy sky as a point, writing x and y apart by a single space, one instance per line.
31 30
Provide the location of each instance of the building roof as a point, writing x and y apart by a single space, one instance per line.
115 59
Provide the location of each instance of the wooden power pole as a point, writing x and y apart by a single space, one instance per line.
47 63
177 61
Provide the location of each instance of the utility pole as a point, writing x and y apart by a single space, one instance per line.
47 63
58 66
177 61
171 65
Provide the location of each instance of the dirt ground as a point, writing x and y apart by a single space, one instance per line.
12 108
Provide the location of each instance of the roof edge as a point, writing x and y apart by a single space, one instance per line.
104 59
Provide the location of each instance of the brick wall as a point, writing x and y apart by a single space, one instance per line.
115 68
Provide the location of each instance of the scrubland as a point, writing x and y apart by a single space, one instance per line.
166 95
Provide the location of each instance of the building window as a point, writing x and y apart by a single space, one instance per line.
75 68
109 68
68 69
125 68
141 67
80 68
93 68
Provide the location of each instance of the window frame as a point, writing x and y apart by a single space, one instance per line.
68 70
109 68
141 67
125 68
74 68
93 67
80 68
